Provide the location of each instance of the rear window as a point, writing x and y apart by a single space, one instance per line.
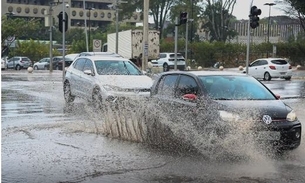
25 59
173 55
279 62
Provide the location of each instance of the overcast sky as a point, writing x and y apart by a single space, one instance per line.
241 9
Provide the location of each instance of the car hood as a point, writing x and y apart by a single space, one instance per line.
126 81
274 108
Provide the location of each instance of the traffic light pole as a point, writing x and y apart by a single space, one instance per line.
51 37
248 40
63 39
176 41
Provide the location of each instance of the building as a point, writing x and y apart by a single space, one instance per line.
98 12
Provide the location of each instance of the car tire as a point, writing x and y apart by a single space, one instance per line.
46 68
97 98
288 78
35 68
18 67
267 76
165 67
67 93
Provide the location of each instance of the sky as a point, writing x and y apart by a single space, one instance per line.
242 8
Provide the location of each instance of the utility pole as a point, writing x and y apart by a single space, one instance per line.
117 27
268 29
85 20
145 35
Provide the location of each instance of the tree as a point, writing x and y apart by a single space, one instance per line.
219 16
295 8
16 27
159 10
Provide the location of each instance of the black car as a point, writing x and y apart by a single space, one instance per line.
68 62
55 61
233 101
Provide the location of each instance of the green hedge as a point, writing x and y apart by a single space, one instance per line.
206 54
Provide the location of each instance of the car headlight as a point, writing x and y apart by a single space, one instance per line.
228 116
291 116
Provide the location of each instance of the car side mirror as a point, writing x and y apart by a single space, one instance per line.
88 72
190 97
278 96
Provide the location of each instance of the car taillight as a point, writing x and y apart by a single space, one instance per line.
290 67
272 67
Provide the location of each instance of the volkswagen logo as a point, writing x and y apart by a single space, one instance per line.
267 119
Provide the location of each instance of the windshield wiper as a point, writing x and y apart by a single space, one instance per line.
222 99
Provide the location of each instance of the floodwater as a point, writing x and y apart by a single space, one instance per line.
45 141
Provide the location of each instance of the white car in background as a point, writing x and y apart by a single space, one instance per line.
3 64
267 68
103 79
167 61
41 64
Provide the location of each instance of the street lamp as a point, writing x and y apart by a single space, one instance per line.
116 8
89 25
268 31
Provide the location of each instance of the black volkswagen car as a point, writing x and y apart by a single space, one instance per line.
233 100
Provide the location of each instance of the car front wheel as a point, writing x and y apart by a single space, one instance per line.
267 76
97 99
67 93
35 68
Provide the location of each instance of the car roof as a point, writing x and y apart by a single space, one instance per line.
209 73
271 59
100 53
104 57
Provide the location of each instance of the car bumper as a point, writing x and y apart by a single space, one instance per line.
288 136
281 74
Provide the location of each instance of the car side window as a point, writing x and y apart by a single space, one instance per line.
255 63
263 62
88 65
79 64
162 56
167 86
186 85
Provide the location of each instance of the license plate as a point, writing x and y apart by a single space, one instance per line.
268 135
282 73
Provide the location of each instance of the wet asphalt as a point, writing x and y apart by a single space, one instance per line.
45 141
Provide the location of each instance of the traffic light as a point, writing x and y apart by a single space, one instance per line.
60 20
183 18
254 19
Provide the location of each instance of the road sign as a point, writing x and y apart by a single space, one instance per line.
10 39
97 45
146 49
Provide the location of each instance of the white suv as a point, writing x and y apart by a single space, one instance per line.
267 68
167 61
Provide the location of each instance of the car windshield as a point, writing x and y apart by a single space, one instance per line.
235 88
116 67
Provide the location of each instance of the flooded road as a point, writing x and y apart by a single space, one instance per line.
44 141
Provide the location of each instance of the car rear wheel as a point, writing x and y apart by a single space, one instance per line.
18 67
67 93
97 99
267 76
165 67
45 68
288 78
35 68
